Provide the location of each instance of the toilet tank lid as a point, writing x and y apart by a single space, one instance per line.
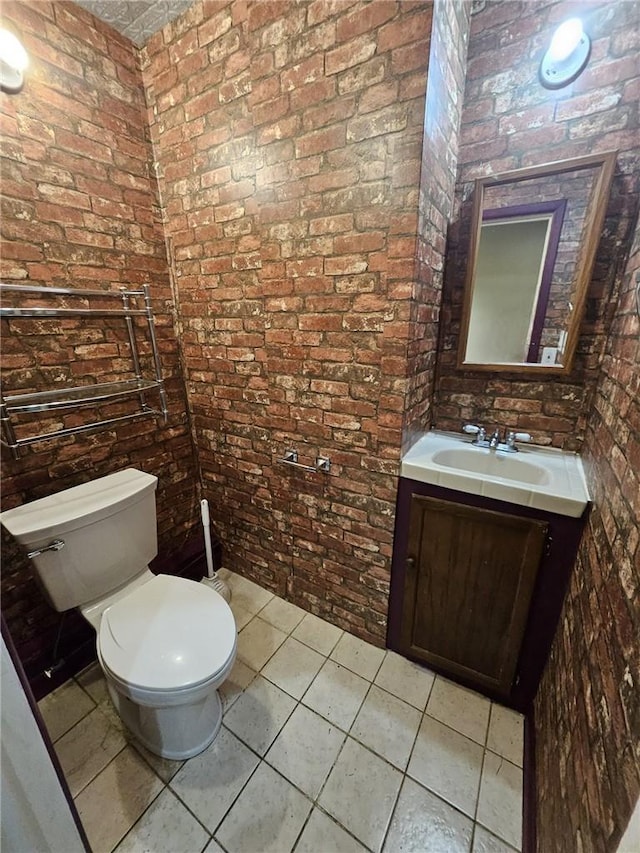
78 506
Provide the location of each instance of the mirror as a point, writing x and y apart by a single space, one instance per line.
534 237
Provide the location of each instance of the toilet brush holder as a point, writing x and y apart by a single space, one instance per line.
218 585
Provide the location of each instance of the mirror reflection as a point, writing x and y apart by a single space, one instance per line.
533 243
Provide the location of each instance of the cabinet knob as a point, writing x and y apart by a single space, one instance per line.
411 563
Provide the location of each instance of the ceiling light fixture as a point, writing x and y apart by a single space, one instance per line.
13 61
567 55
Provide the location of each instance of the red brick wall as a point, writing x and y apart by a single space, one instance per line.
445 86
289 139
587 710
509 121
79 210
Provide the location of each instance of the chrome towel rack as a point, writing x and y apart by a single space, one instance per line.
323 463
76 397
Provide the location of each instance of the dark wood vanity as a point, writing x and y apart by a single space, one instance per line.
477 587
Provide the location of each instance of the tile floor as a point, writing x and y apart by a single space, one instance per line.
328 745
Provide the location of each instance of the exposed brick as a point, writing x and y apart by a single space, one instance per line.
89 126
319 141
355 52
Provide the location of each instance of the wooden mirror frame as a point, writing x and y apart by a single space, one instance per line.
605 164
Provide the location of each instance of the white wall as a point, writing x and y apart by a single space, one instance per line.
34 813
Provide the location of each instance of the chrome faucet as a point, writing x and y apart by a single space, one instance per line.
494 442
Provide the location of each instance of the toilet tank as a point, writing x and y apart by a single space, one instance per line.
108 527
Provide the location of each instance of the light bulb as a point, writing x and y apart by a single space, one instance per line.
565 39
12 53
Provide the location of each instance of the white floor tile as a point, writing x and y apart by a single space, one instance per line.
305 750
247 594
323 834
164 767
166 827
239 679
317 634
336 694
87 748
241 616
257 642
388 726
506 734
210 782
115 799
406 680
463 710
500 803
212 847
485 842
423 823
267 816
358 656
293 667
93 682
447 763
64 707
259 714
361 792
282 614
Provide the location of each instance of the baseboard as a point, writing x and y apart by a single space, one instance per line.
529 800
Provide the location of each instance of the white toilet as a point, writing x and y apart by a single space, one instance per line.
165 644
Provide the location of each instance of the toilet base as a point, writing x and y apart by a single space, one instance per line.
175 732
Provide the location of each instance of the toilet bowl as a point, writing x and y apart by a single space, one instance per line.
165 648
165 644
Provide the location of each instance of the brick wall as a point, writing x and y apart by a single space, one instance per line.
510 121
445 86
587 710
289 139
79 209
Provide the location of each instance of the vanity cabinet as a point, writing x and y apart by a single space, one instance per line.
477 587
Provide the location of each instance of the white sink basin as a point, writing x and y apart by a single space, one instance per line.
538 477
480 460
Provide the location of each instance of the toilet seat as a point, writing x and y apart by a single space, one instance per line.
168 635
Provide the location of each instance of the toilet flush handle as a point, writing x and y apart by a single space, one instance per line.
56 545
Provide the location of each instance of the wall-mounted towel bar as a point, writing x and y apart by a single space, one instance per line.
323 463
92 394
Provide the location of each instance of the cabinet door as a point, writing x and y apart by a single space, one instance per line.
469 580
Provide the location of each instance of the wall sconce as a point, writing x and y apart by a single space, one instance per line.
13 61
567 55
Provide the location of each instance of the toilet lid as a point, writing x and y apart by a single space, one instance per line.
167 634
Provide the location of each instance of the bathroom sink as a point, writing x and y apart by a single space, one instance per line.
540 477
490 463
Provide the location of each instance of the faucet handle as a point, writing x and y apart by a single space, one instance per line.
478 431
512 437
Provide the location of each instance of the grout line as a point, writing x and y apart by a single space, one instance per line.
138 819
223 818
453 729
188 808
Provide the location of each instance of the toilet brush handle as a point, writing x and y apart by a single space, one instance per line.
204 511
